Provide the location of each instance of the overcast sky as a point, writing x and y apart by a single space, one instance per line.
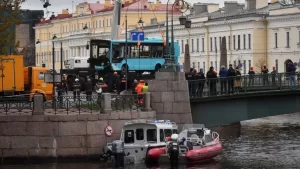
58 5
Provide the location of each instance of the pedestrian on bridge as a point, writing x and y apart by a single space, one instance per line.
89 89
265 75
251 76
211 76
231 76
223 79
273 76
292 74
201 78
237 81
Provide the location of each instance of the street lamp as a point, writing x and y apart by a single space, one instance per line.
53 66
181 5
37 42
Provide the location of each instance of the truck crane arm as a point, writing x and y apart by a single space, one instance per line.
116 19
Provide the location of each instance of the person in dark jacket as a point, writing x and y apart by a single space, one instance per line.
116 82
89 90
231 76
76 89
251 76
211 76
273 76
223 79
237 80
265 75
201 80
190 77
291 70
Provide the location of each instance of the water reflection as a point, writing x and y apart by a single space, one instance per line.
269 143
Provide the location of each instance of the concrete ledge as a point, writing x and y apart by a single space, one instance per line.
61 136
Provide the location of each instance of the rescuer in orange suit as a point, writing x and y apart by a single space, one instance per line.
139 90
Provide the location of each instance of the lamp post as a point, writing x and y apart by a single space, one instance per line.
53 66
37 42
126 53
182 5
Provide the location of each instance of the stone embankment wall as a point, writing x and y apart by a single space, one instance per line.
55 136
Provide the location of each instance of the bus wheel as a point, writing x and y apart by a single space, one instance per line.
157 68
124 68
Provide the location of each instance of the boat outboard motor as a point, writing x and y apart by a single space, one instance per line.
118 152
173 150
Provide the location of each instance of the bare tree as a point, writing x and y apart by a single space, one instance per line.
260 63
287 2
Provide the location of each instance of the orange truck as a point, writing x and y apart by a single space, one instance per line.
15 79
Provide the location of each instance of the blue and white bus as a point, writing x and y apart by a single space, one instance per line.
143 56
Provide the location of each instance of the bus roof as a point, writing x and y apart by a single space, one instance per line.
146 40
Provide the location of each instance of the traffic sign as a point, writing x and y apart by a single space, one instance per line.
108 131
137 36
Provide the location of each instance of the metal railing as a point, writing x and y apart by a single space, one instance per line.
243 84
15 105
128 102
72 105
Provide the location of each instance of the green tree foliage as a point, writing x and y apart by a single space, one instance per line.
10 16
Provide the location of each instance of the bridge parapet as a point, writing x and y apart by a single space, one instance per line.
239 85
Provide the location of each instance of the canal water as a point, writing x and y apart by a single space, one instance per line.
267 143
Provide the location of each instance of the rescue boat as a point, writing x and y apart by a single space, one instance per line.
195 143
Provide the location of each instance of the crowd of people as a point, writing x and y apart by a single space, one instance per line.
230 79
100 85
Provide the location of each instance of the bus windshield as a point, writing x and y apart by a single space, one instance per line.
100 49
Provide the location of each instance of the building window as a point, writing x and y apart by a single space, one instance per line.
187 42
239 42
276 40
234 64
244 43
107 22
203 66
96 24
249 41
216 44
288 39
139 134
100 23
233 42
299 39
103 23
249 64
211 64
276 65
244 64
182 46
194 65
211 44
197 44
202 44
192 45
198 66
220 41
216 65
229 45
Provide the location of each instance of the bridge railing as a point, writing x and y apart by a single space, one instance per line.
243 84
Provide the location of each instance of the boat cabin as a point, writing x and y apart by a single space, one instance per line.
147 131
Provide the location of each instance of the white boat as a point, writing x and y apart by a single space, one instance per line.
139 136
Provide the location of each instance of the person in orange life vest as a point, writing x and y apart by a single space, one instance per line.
139 90
264 72
273 75
139 87
251 76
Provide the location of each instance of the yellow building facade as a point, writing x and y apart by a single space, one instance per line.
89 21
